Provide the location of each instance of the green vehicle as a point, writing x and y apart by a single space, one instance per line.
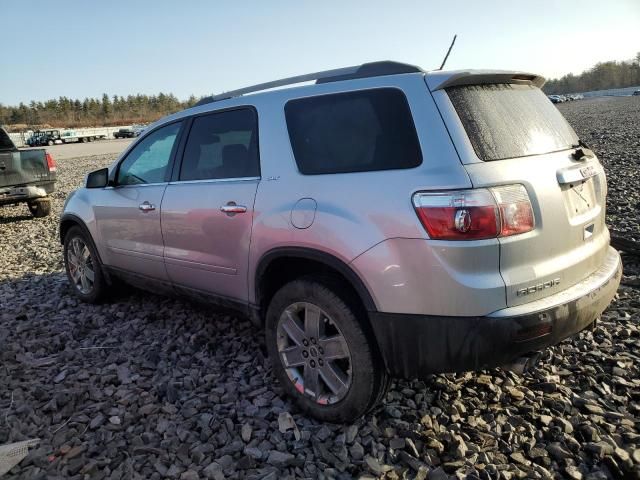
26 176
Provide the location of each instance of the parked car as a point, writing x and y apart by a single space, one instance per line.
636 93
26 176
125 133
138 129
555 99
381 222
41 138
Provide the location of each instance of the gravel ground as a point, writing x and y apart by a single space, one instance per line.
148 387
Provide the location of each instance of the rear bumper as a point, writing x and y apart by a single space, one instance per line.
417 345
24 193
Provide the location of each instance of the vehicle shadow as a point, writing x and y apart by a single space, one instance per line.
14 219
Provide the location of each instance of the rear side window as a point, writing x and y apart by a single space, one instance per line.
222 145
353 132
509 121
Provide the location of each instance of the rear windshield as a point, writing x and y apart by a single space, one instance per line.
509 121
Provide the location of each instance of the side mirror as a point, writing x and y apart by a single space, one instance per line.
98 179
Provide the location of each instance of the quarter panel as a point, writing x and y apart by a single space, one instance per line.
355 211
433 277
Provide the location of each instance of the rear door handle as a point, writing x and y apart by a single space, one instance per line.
231 208
146 207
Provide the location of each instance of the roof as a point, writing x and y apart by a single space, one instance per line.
373 69
436 79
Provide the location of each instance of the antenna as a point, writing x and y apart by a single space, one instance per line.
448 52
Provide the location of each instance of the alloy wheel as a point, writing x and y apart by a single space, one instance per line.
314 353
81 265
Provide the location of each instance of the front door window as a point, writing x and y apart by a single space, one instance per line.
148 161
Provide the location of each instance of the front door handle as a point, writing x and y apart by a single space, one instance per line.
232 208
146 207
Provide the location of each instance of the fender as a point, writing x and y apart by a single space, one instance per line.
320 257
72 218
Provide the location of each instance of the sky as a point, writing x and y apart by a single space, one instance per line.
79 48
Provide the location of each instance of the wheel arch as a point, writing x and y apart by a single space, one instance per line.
300 261
68 221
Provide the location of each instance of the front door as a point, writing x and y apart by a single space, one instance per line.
128 214
207 212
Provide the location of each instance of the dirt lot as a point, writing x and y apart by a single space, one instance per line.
148 387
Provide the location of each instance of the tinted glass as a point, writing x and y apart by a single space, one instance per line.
353 132
148 161
509 121
222 145
5 141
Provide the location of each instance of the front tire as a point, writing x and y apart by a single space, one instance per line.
320 352
83 267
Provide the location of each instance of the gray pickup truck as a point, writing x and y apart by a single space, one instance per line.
26 176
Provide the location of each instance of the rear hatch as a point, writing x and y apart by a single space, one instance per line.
507 132
21 167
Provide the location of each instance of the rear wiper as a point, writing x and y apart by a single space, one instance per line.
582 151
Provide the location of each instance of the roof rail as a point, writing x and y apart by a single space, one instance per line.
373 69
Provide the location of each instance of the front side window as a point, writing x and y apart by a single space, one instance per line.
222 145
148 161
509 120
358 131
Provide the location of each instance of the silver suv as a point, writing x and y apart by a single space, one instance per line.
384 221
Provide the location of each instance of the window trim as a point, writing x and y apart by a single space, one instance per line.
346 92
215 180
175 174
170 163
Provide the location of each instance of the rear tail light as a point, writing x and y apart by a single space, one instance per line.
51 164
516 213
475 214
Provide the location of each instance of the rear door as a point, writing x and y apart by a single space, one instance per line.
207 212
512 134
128 214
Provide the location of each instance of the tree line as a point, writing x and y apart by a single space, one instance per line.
106 111
601 76
121 110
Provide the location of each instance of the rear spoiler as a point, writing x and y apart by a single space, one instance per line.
438 80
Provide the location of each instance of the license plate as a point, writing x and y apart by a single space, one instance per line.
580 197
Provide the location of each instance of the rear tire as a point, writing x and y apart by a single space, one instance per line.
338 383
50 143
40 208
83 267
